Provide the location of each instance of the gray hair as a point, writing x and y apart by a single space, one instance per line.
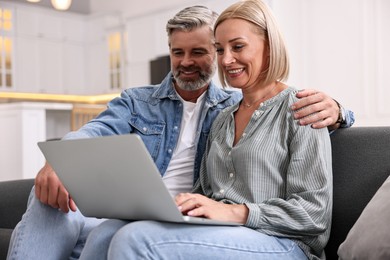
191 18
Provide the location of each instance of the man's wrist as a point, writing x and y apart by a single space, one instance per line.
341 118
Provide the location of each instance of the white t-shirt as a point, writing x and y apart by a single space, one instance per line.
180 172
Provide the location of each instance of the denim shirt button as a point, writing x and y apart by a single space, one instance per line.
145 129
175 127
169 150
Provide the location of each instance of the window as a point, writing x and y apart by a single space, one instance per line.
116 48
6 43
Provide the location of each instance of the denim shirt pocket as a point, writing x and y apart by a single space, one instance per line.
150 131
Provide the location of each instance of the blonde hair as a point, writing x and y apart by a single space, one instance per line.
260 15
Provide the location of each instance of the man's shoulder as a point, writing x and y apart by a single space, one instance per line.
142 89
225 95
141 92
235 94
164 89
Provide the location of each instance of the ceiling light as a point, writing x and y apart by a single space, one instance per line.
61 4
33 1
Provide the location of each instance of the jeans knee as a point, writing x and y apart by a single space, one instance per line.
132 240
104 232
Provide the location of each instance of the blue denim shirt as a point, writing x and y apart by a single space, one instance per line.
155 113
349 119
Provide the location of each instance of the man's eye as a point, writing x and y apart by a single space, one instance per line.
198 53
177 53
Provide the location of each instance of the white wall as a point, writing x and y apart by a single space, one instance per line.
339 47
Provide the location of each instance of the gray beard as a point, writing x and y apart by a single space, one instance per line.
191 85
204 79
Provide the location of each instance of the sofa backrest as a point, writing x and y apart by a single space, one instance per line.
361 163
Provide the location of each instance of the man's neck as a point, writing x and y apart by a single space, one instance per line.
190 95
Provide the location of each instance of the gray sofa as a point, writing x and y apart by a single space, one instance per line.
361 163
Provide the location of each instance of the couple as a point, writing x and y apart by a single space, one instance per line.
259 166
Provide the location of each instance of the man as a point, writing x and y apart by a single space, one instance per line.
173 119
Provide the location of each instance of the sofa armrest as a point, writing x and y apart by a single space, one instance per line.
13 201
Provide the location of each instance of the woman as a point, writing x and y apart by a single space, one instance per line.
260 168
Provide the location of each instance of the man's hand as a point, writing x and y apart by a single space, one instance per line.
316 108
49 190
200 206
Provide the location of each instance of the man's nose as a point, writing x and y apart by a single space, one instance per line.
187 61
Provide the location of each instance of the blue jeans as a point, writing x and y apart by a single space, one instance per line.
159 240
48 233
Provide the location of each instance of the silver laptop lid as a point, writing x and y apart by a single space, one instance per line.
111 177
114 177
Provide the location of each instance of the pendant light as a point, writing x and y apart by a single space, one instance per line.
61 5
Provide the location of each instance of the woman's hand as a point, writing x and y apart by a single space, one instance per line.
197 205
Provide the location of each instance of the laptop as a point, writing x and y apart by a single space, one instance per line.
115 177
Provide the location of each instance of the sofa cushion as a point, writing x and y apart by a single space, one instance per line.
369 237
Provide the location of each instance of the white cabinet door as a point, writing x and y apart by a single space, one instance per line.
73 29
26 23
97 69
50 26
50 52
50 63
45 66
73 68
27 65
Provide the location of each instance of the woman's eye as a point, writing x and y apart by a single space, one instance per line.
238 47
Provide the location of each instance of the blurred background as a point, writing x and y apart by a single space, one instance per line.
58 55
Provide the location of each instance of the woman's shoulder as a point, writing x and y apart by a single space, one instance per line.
290 94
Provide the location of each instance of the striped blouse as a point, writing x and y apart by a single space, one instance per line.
281 171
